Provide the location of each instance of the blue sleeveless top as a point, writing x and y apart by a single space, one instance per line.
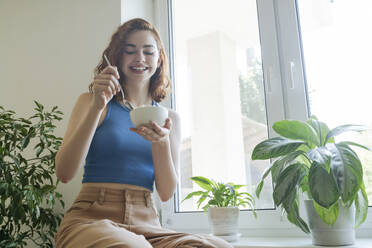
118 155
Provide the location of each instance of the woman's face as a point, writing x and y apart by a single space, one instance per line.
141 56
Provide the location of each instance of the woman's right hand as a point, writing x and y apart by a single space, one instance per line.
105 86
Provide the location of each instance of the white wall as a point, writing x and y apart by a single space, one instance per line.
48 50
137 9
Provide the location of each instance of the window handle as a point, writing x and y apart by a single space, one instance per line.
291 75
268 79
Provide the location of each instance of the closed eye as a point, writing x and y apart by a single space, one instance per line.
133 52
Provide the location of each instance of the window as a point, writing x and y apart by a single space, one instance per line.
219 94
337 53
227 56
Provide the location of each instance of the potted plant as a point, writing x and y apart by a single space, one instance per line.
27 189
223 201
330 174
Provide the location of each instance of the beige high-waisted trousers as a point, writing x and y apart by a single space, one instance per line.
109 217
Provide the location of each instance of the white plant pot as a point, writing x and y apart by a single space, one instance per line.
341 233
224 222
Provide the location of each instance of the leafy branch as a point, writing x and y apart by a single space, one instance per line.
27 189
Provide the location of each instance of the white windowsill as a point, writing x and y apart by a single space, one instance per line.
274 242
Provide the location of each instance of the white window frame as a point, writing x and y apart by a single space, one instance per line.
285 93
293 71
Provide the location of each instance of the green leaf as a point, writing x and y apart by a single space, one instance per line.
203 182
259 188
349 143
295 218
37 210
346 170
287 182
205 208
277 167
345 128
320 155
296 130
25 142
283 162
328 215
39 150
40 106
201 200
195 193
320 128
275 147
212 202
293 214
25 121
11 245
322 186
15 160
361 207
267 171
238 186
288 202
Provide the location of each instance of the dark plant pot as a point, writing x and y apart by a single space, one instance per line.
341 233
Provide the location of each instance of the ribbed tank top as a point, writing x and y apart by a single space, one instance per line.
118 155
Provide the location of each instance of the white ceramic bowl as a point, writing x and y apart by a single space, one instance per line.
143 115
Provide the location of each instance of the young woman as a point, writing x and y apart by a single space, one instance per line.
115 207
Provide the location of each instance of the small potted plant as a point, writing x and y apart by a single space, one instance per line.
223 201
329 174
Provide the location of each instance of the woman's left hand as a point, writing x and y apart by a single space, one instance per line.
153 132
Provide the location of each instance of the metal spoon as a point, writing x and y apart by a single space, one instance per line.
125 102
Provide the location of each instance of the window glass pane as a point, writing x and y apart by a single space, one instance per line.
337 52
219 94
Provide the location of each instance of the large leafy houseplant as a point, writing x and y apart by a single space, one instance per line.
27 188
220 194
308 159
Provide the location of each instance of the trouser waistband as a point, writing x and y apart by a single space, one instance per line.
102 194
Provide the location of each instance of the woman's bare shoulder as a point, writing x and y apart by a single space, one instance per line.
84 98
81 106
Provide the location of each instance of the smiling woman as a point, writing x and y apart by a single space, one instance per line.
123 162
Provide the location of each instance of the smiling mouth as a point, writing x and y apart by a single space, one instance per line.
138 68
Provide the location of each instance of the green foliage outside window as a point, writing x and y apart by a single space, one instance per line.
252 97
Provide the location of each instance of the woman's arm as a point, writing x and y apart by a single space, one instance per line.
87 114
80 131
166 160
165 153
